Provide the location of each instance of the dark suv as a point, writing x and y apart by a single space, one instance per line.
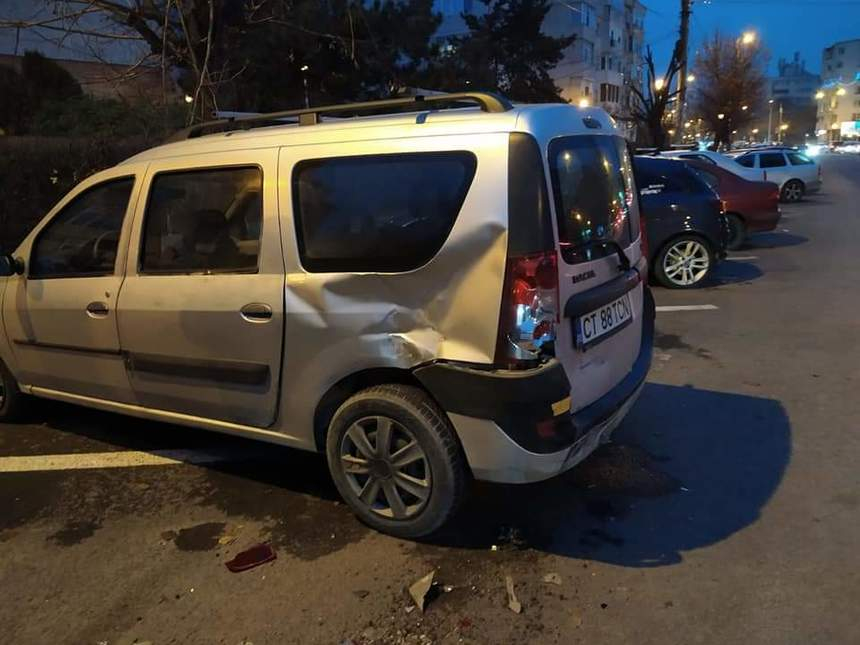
684 222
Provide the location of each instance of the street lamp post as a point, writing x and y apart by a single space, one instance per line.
770 121
304 71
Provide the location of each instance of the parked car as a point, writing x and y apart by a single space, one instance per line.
795 173
685 229
750 206
717 159
387 290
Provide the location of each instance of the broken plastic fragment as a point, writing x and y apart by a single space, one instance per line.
250 558
513 604
419 590
552 578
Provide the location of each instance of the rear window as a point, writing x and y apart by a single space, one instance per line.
700 158
378 212
708 177
748 161
592 182
771 160
799 159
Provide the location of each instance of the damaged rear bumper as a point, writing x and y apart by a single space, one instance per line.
515 426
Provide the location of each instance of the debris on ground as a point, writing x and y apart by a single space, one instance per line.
448 588
510 537
225 540
419 590
552 578
513 604
361 593
250 558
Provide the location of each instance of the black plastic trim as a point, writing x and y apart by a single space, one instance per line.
218 371
587 301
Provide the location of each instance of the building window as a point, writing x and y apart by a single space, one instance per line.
586 14
588 51
629 42
603 62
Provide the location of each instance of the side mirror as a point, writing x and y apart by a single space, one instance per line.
11 266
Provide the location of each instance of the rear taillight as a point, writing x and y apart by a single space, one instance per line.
724 206
529 309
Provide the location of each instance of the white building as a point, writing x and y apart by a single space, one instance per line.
603 60
839 95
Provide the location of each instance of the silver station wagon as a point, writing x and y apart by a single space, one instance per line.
450 288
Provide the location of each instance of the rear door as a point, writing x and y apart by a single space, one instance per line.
201 310
600 292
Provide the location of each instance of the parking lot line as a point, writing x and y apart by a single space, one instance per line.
121 459
686 308
743 258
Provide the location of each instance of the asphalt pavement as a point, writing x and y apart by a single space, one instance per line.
725 511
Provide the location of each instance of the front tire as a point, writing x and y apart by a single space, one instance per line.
793 191
684 262
737 232
13 402
396 461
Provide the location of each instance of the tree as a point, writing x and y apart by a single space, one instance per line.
649 109
24 93
505 51
730 85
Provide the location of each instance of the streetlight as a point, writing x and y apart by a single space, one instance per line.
769 119
782 129
189 98
691 78
745 107
840 91
819 95
304 69
583 103
721 116
748 38
658 84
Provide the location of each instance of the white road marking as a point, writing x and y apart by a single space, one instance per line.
743 258
687 308
121 459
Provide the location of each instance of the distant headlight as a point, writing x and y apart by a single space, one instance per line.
813 151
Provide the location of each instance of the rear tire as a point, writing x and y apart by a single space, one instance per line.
684 262
396 461
737 232
13 402
793 191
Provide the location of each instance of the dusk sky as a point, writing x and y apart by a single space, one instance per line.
785 26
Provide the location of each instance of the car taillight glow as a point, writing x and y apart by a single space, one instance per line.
529 308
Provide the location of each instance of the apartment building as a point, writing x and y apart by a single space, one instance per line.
838 97
605 58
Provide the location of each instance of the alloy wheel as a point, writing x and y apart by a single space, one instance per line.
686 262
386 467
793 191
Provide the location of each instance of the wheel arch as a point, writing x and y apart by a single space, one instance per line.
338 393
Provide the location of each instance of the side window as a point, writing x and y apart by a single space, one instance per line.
771 160
83 238
709 178
387 212
798 159
203 221
748 161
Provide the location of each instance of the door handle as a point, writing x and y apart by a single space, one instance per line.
97 309
256 312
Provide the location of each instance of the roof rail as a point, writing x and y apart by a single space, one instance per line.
487 101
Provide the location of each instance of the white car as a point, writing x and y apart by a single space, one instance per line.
796 173
721 160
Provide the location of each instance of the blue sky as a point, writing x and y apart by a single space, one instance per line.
785 26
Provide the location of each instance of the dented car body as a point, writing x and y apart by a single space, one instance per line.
419 295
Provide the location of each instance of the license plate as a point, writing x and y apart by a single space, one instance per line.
603 322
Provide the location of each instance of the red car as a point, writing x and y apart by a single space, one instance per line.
751 206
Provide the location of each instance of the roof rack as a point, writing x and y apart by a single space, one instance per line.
487 101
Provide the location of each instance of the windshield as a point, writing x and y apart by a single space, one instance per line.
593 190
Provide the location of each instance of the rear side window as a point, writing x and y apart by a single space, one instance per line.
708 177
748 161
83 238
203 221
653 182
799 159
593 189
771 160
386 213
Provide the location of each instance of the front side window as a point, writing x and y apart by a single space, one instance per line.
387 212
593 189
82 239
771 160
203 221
